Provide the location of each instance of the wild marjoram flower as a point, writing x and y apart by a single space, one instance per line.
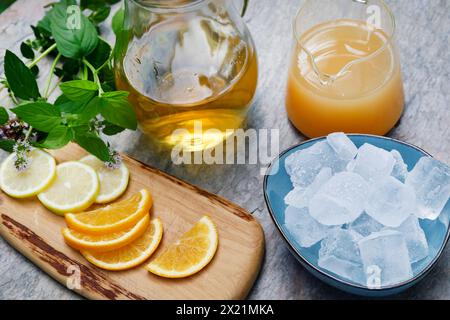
116 160
97 124
21 150
88 108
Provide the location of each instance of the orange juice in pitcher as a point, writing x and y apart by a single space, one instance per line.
345 74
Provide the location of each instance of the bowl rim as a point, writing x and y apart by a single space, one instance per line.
328 275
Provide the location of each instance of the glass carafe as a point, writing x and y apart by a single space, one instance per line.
190 67
345 71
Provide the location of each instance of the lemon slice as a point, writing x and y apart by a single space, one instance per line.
114 217
39 175
75 188
113 182
190 254
131 255
107 242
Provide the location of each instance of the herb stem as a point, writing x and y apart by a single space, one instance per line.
13 97
95 74
27 136
55 86
42 56
85 72
50 77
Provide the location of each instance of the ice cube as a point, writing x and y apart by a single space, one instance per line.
340 200
365 225
304 165
342 145
372 163
431 181
415 238
300 197
339 253
305 230
343 244
295 198
400 170
385 258
391 202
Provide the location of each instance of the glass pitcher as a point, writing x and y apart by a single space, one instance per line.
345 71
190 67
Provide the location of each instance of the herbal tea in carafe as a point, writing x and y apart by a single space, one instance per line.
190 67
345 73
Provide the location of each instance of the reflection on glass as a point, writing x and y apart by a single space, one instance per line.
191 64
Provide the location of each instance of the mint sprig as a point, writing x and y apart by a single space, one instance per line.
20 79
89 107
76 42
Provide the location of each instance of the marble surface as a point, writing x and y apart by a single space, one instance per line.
423 37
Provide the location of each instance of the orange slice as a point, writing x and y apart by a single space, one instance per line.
190 254
112 218
131 255
107 242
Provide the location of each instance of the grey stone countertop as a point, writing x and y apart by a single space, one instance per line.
423 38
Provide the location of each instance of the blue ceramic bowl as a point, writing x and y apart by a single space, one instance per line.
277 185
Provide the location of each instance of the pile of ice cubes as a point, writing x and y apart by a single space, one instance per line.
364 208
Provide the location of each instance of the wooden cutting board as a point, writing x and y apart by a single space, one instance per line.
35 232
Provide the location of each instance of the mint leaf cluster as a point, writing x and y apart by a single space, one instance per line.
89 107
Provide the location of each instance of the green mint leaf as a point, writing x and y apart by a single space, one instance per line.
100 55
92 4
92 143
40 115
91 109
100 15
68 2
117 21
36 31
108 79
35 71
111 129
85 110
72 107
96 4
116 109
57 138
61 100
69 71
7 145
77 90
44 26
26 51
20 79
75 35
71 67
4 116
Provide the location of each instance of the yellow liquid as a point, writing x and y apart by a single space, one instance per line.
209 80
369 98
